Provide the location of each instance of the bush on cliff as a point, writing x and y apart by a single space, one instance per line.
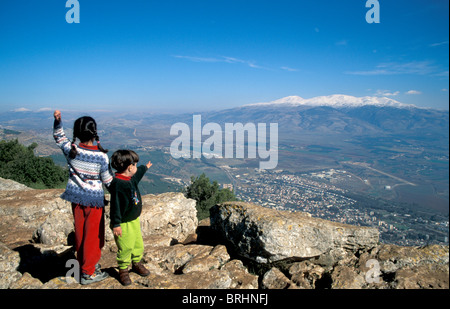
207 194
19 163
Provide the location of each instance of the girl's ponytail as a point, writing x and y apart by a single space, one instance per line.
100 146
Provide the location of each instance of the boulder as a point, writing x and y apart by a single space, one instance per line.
9 263
232 275
305 274
170 214
182 259
427 276
27 282
11 185
268 235
239 275
345 277
407 267
49 219
195 267
23 212
274 279
56 228
393 258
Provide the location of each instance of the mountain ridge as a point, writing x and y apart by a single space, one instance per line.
322 116
336 100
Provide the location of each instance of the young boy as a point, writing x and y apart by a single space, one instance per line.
126 207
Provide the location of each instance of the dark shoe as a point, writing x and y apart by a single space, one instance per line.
97 276
140 269
124 277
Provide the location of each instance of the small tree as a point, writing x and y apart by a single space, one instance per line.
207 194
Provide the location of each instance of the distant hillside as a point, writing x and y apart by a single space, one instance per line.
341 115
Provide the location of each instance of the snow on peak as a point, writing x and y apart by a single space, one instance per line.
336 100
291 100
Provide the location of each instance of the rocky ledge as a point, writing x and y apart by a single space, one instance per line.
242 246
294 250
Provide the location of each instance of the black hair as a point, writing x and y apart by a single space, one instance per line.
123 158
85 129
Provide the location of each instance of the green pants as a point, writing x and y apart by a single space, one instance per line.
130 244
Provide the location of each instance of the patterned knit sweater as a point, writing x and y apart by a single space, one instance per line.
87 172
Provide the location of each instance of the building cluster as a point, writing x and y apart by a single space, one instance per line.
316 194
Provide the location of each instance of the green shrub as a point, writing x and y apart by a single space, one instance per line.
207 194
19 163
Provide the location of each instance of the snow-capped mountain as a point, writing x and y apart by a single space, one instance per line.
340 115
336 100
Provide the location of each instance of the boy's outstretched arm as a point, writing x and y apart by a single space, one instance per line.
141 171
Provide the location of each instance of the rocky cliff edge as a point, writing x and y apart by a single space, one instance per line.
242 246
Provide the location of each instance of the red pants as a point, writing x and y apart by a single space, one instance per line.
89 235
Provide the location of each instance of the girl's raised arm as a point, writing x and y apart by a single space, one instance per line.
57 115
58 134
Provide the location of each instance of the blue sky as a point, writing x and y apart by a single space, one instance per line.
172 56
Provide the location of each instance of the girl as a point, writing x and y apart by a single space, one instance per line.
88 171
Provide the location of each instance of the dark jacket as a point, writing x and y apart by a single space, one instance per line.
126 201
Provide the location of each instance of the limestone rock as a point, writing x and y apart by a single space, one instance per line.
240 277
275 279
27 282
168 214
305 274
9 259
394 257
345 277
213 279
23 212
408 267
56 228
174 267
43 216
429 276
9 263
196 267
216 258
11 185
186 259
232 275
267 235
